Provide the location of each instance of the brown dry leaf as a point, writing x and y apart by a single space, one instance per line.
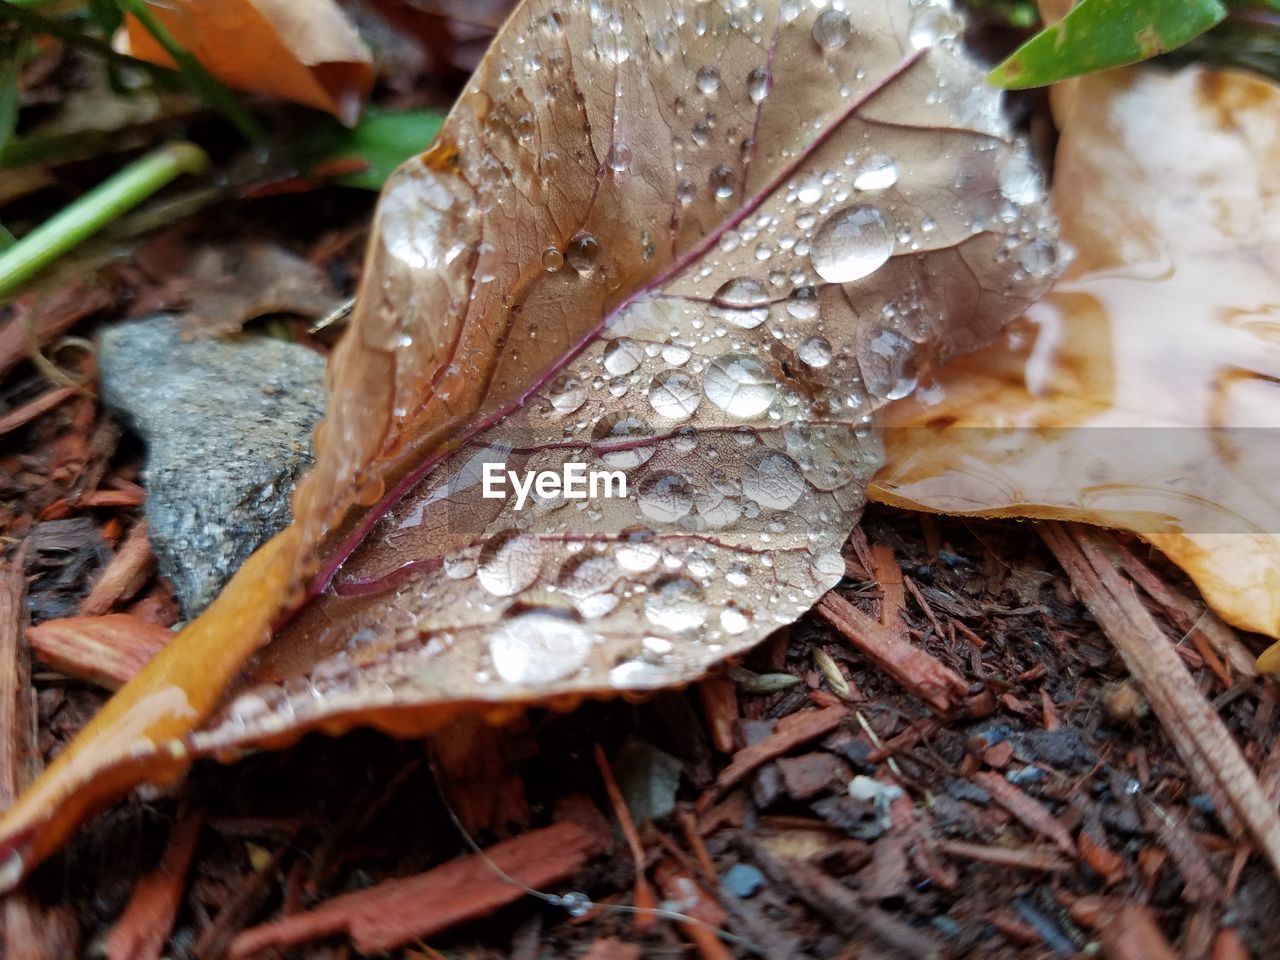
1141 393
301 50
701 250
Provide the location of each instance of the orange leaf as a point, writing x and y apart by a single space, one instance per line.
701 253
1142 392
301 50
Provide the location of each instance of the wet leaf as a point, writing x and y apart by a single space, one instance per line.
699 250
1100 34
301 50
1142 392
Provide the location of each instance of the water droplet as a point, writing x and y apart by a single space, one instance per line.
676 604
583 252
589 582
738 384
622 356
932 25
734 620
772 479
814 352
676 354
666 43
552 260
567 394
637 552
674 394
831 30
721 179
665 497
624 431
747 301
887 359
708 79
686 192
803 303
1020 180
538 648
809 189
851 244
509 563
877 173
759 83
609 45
619 158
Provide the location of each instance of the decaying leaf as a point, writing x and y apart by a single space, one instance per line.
1141 393
302 50
698 247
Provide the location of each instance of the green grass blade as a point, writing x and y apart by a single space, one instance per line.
382 140
96 209
1100 34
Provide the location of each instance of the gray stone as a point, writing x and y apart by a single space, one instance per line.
227 424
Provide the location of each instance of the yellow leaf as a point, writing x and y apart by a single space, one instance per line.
1142 392
301 50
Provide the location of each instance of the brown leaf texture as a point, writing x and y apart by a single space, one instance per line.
693 246
1142 392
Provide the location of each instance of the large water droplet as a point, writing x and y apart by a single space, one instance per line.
509 563
676 604
814 352
623 431
877 173
674 394
803 303
739 385
552 260
665 497
583 252
538 648
567 394
931 25
887 359
759 83
772 479
1020 180
622 356
831 30
746 300
589 582
851 244
722 181
637 552
708 79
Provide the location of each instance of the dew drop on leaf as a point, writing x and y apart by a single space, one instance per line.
722 181
851 244
878 172
739 384
887 359
552 260
931 25
510 563
831 30
814 352
622 356
538 648
567 394
708 79
665 497
773 480
674 394
759 83
583 252
676 604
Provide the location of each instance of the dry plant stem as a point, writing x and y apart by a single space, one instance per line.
1198 733
40 405
44 321
644 895
143 928
1028 810
927 677
129 569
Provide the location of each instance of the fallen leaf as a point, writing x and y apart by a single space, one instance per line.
701 252
301 50
1142 392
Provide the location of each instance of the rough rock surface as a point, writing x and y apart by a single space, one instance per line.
227 425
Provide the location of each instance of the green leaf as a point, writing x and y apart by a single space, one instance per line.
1100 34
12 57
382 140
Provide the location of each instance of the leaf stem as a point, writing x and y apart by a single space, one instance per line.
97 208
